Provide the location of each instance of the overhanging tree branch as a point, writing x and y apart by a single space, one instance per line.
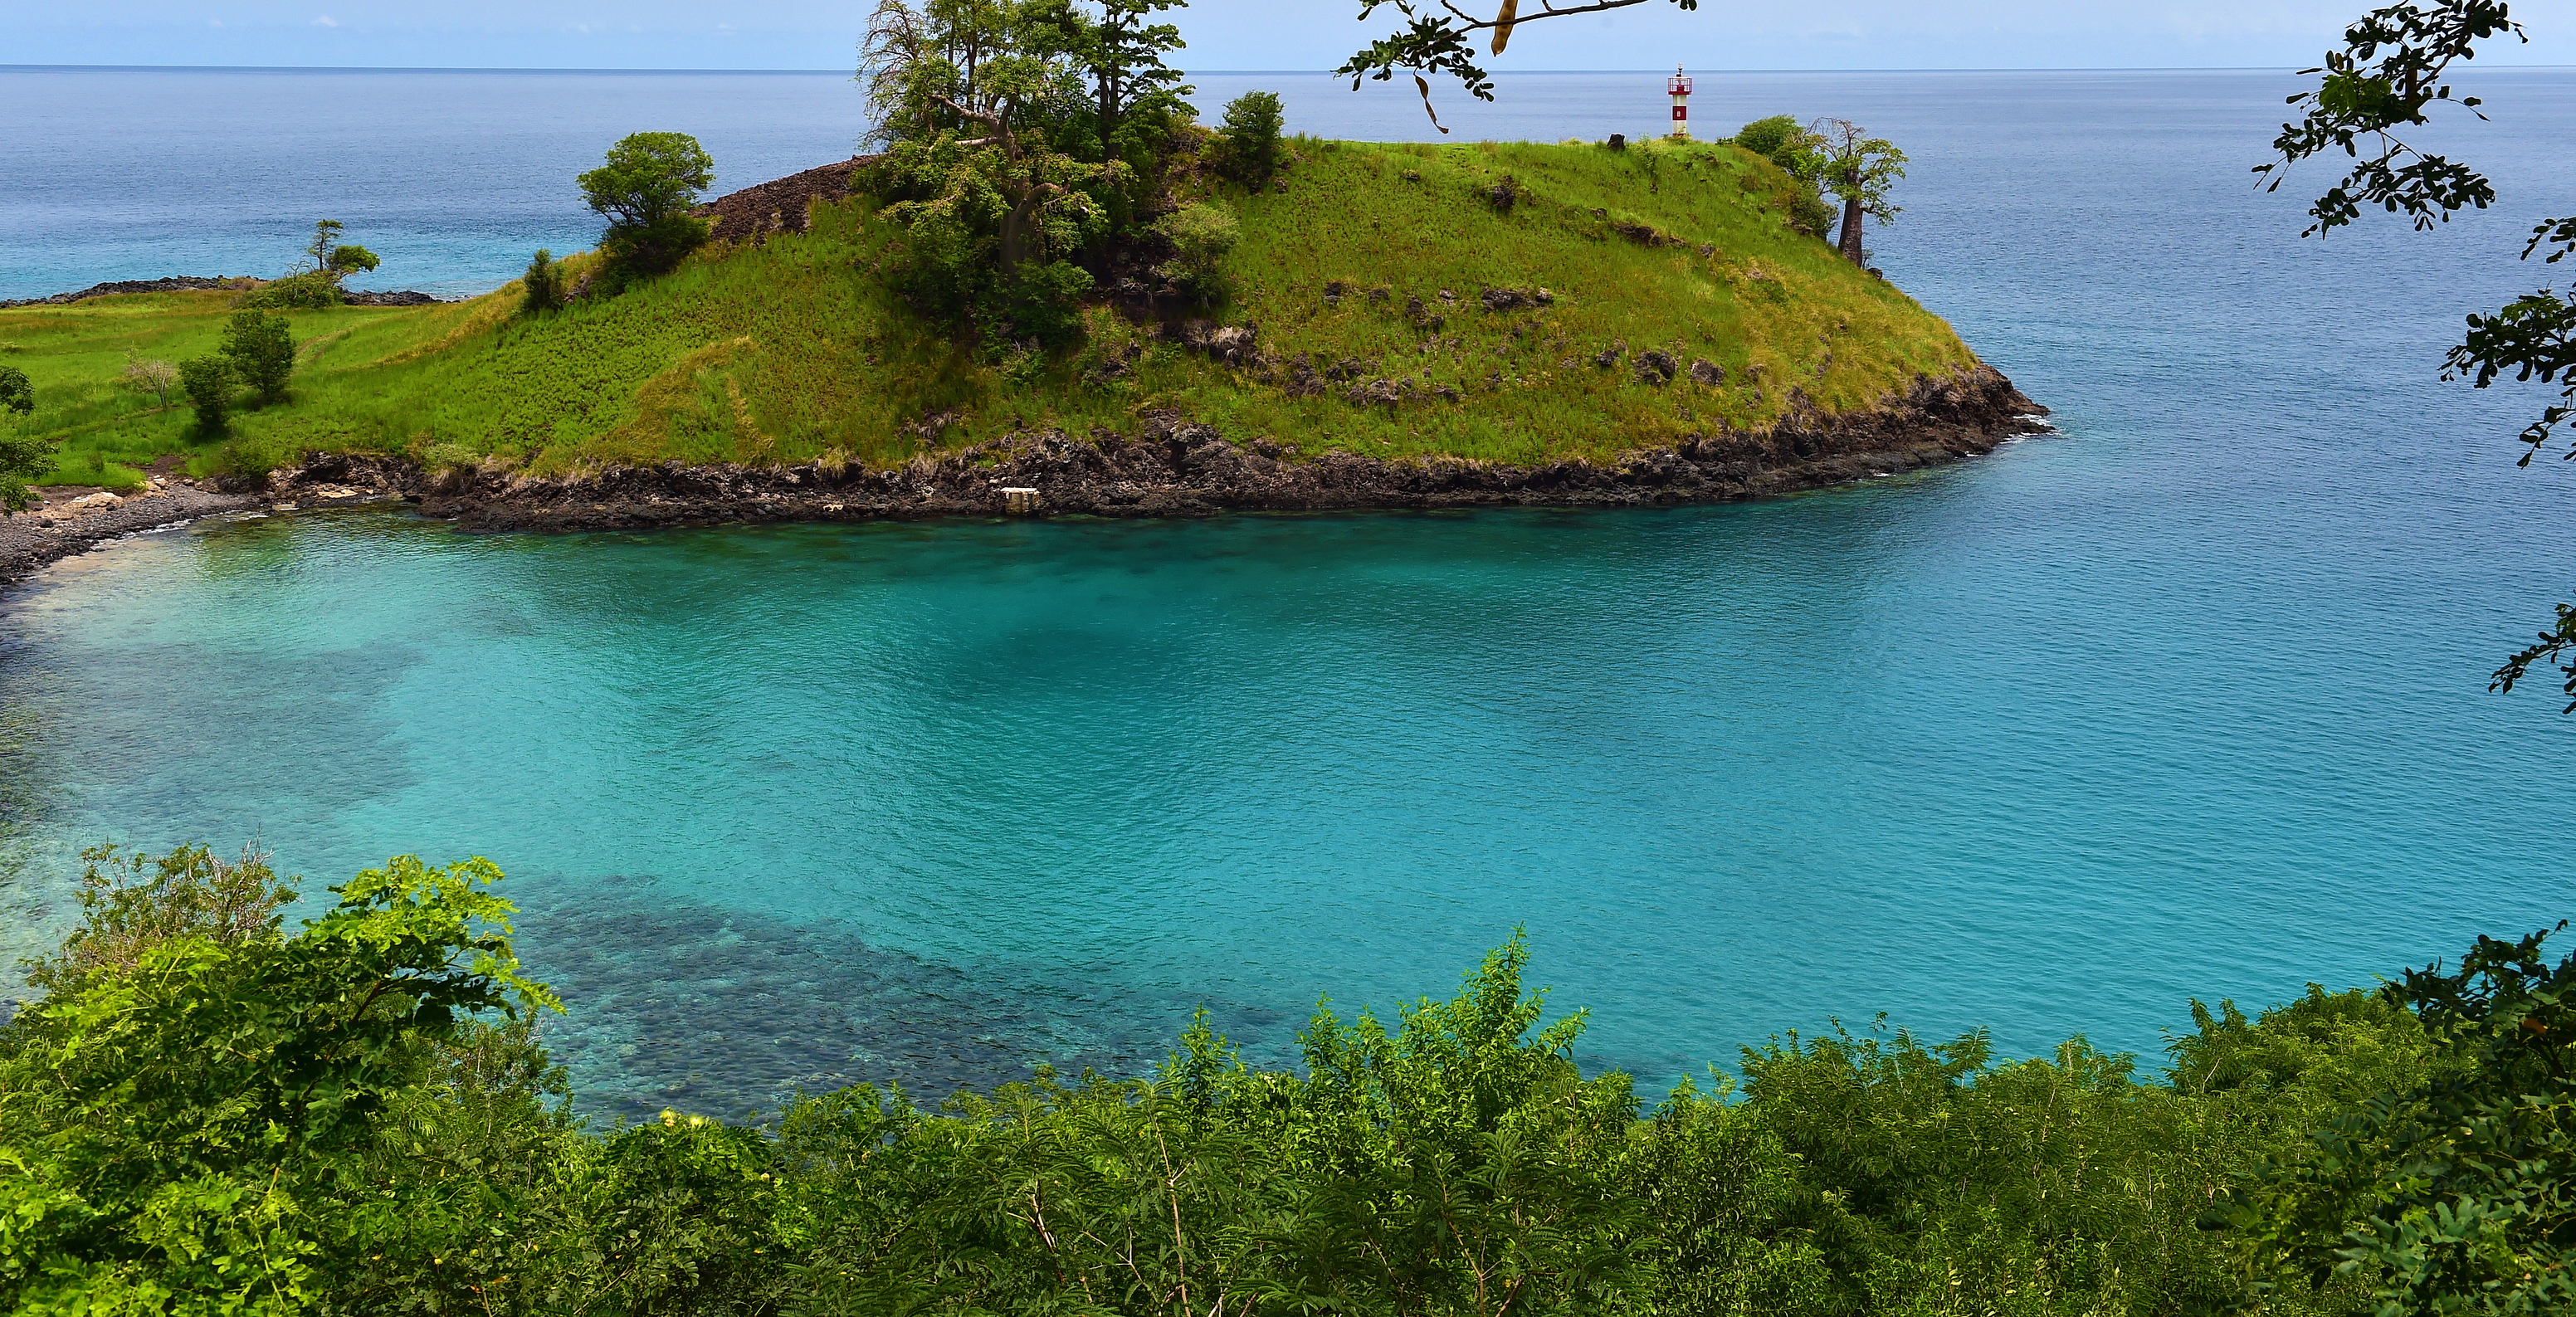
1435 38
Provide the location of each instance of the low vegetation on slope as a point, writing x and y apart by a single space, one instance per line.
201 1114
1364 269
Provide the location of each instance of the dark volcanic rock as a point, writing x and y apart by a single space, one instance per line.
1181 467
780 205
175 284
407 297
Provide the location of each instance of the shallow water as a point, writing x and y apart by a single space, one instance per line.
2188 700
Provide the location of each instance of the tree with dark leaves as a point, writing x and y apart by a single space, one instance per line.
2391 77
2457 1196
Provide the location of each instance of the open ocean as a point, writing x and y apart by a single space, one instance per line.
2186 700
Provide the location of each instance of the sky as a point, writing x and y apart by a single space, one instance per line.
1263 35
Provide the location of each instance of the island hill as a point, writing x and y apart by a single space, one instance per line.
1406 326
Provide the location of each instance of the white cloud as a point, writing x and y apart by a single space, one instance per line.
326 21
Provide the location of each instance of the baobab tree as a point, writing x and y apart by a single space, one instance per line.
1861 170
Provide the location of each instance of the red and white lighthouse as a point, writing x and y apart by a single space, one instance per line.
1681 89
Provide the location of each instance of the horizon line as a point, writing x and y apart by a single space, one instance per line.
1231 73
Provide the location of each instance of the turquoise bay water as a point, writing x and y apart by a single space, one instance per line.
2185 701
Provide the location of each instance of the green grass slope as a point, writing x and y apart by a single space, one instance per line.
794 350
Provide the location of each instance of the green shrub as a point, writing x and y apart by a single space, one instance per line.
16 394
1251 128
449 457
1799 153
1201 236
180 1134
262 351
645 190
313 290
1779 139
208 382
544 282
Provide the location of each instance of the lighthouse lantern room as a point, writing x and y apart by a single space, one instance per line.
1681 89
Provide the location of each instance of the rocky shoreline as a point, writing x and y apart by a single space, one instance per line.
185 283
1177 468
75 521
1182 468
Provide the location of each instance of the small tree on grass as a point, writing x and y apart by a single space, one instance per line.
208 382
544 284
1251 128
153 377
646 190
16 394
1861 170
262 352
334 259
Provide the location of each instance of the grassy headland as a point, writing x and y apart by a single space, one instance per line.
795 350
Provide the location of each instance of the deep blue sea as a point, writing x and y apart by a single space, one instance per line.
2187 700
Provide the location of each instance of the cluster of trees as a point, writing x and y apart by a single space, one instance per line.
201 1113
1027 144
258 352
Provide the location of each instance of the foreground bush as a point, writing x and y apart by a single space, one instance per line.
203 1114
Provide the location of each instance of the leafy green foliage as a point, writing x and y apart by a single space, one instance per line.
981 101
309 290
2456 1195
1860 169
1798 151
1123 54
24 455
1201 236
262 352
2388 75
132 903
204 1115
1435 40
1251 137
543 285
208 382
181 1119
645 190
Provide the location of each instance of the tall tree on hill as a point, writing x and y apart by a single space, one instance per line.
1861 170
2388 77
915 63
975 100
1125 59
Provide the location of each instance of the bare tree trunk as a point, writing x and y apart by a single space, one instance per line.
1851 232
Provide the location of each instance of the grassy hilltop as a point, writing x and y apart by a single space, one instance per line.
794 350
